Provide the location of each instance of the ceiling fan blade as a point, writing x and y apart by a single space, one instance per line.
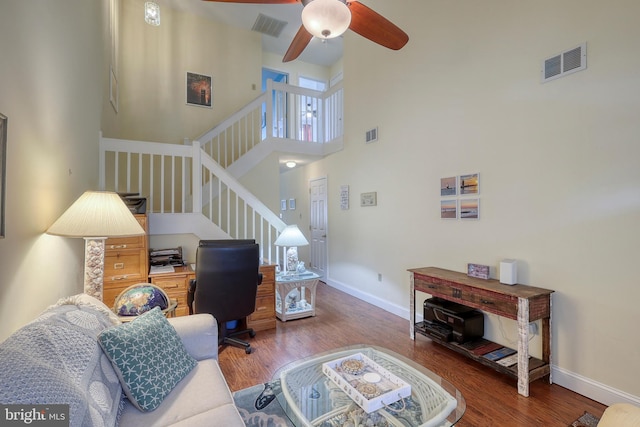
299 43
375 27
257 1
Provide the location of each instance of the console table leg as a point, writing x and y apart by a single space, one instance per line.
412 307
523 346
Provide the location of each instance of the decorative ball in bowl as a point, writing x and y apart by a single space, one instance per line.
140 298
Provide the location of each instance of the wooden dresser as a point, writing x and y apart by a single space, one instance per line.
264 317
126 262
176 285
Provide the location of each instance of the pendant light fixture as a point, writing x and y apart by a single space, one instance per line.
326 19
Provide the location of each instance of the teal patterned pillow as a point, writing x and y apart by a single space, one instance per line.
148 357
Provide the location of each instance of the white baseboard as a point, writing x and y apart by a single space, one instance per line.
577 383
592 389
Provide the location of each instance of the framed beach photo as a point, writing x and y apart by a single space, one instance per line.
199 90
469 208
448 186
449 209
469 184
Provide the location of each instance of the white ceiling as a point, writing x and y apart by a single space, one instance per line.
319 52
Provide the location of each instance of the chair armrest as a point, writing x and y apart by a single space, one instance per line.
620 415
199 334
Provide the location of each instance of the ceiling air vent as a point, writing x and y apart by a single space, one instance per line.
565 63
267 25
371 135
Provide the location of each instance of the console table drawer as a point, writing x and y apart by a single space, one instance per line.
501 304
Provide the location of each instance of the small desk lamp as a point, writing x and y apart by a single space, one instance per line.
291 237
95 216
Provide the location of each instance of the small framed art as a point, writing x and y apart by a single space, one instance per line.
199 90
478 270
283 205
448 186
449 209
369 199
292 204
469 184
469 208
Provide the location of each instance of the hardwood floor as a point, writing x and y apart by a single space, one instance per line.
341 320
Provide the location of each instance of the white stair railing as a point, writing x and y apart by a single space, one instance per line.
282 113
193 179
172 178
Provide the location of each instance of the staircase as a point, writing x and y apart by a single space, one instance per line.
193 187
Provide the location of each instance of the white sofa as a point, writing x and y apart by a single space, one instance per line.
620 415
57 359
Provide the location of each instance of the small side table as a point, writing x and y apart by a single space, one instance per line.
296 295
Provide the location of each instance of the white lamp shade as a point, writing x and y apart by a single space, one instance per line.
97 214
326 19
291 236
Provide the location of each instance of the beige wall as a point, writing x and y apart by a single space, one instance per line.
152 66
51 85
558 164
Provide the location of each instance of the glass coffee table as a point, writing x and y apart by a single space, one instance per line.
309 398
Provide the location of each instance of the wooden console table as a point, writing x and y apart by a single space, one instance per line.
518 302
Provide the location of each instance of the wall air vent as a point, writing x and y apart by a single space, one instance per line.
565 63
267 25
371 135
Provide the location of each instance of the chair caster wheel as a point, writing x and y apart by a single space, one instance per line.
252 334
248 350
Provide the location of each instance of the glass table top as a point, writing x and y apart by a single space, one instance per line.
310 398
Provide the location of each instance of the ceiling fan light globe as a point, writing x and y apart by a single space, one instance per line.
326 19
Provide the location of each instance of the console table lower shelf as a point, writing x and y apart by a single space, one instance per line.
537 368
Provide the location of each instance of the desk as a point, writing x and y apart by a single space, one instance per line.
176 285
296 295
518 302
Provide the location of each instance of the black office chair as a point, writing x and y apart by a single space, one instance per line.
226 284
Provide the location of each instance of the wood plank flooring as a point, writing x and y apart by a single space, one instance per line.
341 320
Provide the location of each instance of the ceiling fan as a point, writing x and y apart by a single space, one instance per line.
326 19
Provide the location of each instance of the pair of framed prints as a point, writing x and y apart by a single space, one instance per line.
460 197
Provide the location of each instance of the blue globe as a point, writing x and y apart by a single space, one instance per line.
141 298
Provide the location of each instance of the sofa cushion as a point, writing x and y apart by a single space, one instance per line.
56 359
202 398
148 357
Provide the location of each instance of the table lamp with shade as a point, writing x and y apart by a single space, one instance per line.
95 216
291 237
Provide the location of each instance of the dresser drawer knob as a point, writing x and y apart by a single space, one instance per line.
117 246
487 302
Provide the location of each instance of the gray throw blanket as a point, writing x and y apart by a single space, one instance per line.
56 359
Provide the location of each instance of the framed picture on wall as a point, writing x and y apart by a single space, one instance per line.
448 186
199 90
469 184
469 208
3 165
449 209
292 204
283 205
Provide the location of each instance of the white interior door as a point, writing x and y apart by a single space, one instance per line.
318 249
